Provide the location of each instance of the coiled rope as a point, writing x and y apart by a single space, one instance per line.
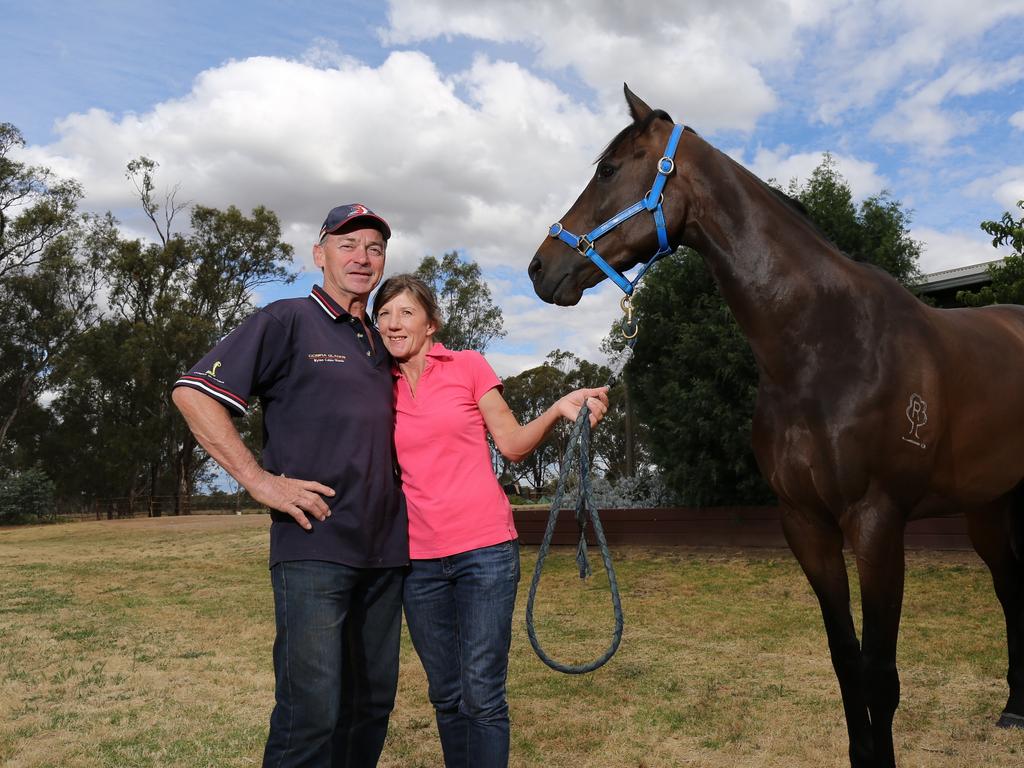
579 444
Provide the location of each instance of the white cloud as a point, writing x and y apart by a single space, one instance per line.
578 329
703 57
487 175
946 250
1005 187
783 166
1017 120
874 46
920 119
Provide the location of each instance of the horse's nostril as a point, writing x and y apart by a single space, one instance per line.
534 269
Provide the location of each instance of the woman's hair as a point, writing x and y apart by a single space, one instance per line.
416 288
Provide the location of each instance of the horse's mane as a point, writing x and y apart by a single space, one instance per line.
633 129
801 209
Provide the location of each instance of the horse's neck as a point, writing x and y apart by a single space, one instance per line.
769 261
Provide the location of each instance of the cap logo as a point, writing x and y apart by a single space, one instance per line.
358 210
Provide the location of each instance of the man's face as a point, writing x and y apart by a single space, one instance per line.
352 261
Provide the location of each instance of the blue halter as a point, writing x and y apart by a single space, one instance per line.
651 202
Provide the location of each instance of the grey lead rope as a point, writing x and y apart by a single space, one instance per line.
579 439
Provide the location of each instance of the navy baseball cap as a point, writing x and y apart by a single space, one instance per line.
343 214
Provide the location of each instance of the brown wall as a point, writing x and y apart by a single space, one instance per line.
711 527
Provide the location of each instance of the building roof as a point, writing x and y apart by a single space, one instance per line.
958 277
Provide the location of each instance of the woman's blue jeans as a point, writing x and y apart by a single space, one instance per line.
336 663
459 613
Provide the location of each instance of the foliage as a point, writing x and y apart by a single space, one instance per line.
1007 231
26 496
693 377
35 206
643 491
530 393
878 233
470 318
695 382
1007 286
49 277
169 302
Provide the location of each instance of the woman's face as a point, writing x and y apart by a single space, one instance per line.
405 327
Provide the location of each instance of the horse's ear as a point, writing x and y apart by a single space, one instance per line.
637 107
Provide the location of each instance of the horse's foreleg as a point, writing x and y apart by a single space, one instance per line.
817 543
993 531
876 534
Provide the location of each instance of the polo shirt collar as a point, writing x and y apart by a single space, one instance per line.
440 352
436 352
327 304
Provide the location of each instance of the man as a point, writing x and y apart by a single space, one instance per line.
338 540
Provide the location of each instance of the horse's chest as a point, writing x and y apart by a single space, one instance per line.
800 454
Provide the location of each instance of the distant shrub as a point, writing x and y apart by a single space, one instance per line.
641 492
26 496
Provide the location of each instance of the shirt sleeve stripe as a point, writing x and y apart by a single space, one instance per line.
214 391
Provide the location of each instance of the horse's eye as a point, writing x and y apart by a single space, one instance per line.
606 170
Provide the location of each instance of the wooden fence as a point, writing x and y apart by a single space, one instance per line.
712 527
670 526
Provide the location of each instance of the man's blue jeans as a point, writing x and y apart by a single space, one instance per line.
459 613
336 663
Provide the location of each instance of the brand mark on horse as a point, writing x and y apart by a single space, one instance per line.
917 413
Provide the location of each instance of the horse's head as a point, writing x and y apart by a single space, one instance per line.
625 171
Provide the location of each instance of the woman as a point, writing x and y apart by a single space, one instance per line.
461 586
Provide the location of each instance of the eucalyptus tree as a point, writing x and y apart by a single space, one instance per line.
471 319
50 259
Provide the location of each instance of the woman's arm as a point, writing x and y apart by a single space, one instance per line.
516 441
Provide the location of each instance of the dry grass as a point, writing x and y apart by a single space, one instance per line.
147 643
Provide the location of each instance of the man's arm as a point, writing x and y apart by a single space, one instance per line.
213 428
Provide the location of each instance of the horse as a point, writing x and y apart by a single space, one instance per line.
873 409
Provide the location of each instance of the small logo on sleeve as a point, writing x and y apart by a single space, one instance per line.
213 370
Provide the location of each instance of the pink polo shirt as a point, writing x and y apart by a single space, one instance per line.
455 502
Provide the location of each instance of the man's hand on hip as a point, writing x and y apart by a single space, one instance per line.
294 497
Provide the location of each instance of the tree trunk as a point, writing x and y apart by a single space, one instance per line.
183 475
23 391
629 424
154 505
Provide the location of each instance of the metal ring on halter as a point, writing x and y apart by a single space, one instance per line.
661 199
555 229
666 170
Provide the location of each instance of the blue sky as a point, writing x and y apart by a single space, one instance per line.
472 124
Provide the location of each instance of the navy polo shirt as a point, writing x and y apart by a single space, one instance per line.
328 416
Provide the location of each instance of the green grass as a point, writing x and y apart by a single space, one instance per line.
148 643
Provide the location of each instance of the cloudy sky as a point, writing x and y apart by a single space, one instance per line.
473 124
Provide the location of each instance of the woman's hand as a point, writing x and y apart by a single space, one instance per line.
596 399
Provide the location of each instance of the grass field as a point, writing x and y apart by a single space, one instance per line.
147 643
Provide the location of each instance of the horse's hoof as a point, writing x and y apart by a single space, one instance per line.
1010 720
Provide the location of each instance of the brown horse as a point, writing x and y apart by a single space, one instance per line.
873 409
